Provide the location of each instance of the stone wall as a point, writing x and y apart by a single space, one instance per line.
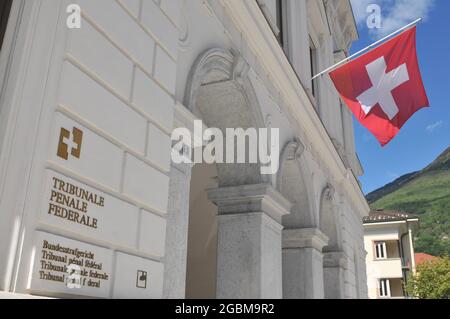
104 130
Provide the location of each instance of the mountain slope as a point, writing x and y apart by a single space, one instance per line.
427 194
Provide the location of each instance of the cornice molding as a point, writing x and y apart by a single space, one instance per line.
248 199
304 238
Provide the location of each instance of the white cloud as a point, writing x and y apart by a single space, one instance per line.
404 12
430 128
395 13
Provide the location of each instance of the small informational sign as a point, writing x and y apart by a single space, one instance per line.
66 266
141 279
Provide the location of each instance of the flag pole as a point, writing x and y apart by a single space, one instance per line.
367 48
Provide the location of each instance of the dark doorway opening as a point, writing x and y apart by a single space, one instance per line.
5 8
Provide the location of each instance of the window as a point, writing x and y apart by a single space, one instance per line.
280 21
274 12
380 250
385 288
5 7
313 65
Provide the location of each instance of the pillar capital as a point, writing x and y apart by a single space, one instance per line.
304 238
335 259
250 199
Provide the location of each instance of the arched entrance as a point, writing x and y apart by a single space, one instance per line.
302 240
247 231
292 184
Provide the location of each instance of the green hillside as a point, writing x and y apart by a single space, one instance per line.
427 194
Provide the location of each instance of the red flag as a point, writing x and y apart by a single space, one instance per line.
383 88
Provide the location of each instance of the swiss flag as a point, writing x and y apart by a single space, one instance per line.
383 88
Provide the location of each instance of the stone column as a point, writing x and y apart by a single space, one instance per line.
302 263
177 232
334 266
249 241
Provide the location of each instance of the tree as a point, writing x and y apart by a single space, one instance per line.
432 280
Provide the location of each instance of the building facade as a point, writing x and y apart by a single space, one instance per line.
388 240
91 203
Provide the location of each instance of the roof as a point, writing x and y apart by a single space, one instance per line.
420 258
382 216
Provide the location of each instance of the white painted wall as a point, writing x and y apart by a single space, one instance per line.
390 268
119 90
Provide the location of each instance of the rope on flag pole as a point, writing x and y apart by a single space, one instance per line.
367 48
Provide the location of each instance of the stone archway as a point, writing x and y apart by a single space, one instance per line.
220 93
334 261
249 210
291 182
302 239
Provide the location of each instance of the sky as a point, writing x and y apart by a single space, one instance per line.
427 134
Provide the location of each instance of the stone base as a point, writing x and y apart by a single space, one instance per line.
334 265
249 241
302 263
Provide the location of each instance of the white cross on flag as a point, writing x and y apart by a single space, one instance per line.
383 88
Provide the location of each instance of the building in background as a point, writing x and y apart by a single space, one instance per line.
421 258
90 202
388 240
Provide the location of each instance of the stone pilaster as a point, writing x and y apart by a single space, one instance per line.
334 266
177 232
249 259
302 263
